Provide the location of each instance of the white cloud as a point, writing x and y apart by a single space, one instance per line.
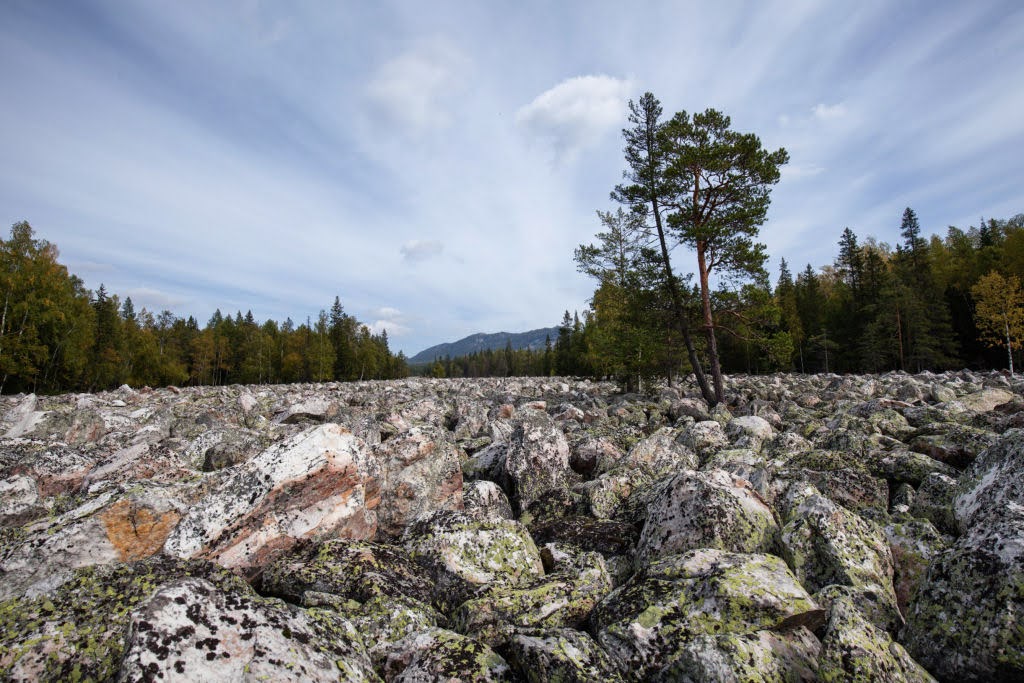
577 112
415 89
829 112
152 299
795 171
391 320
421 250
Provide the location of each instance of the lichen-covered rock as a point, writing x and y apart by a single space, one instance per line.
537 461
322 483
785 655
964 621
954 444
826 544
906 466
77 631
560 654
351 570
914 544
856 650
608 537
643 623
934 502
659 453
994 484
107 527
594 454
707 510
193 630
745 464
439 655
462 554
384 620
705 438
485 500
843 480
420 472
19 500
564 598
749 431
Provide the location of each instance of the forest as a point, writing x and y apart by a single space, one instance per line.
57 336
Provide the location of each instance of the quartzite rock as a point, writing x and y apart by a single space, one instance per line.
320 484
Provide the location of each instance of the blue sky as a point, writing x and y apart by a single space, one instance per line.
434 164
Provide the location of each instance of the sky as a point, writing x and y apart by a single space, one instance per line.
435 164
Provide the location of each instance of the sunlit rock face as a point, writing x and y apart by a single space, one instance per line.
812 527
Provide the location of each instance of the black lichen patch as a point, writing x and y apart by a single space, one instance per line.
77 631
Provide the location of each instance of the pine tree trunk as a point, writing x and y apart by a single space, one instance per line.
709 326
1009 347
680 312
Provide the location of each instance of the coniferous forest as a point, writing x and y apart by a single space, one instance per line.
56 335
693 187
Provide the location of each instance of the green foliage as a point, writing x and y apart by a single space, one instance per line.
55 335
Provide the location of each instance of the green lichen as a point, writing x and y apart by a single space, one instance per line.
78 629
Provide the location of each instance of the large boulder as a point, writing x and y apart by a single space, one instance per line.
193 630
964 621
561 654
563 598
319 484
826 544
77 630
707 510
439 655
462 554
420 473
644 623
537 461
789 654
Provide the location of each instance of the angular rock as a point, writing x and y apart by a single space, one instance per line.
484 500
439 655
462 555
320 484
537 461
77 631
855 649
785 655
749 431
564 598
561 655
644 623
825 544
705 438
914 544
351 570
192 629
934 502
707 510
420 473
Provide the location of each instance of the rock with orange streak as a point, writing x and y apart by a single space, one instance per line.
319 484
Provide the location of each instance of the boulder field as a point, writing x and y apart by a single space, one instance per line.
814 527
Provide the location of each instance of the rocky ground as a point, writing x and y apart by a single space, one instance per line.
815 528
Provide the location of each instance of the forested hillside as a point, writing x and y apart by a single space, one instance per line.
56 335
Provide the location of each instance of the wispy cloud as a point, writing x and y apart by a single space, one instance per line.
421 250
416 89
829 112
577 113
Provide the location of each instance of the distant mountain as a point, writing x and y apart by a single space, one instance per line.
534 339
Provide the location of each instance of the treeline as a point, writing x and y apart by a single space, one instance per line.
56 335
926 304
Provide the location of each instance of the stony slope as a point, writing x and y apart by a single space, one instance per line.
816 528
